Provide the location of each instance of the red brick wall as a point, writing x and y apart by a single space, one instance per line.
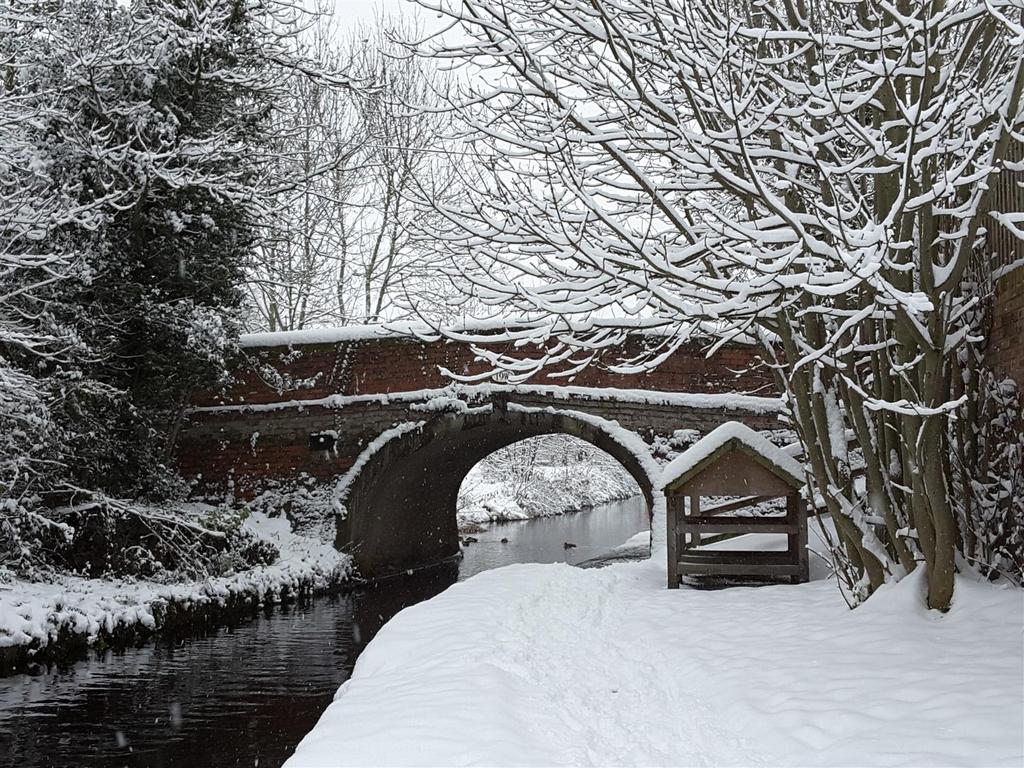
1006 345
398 364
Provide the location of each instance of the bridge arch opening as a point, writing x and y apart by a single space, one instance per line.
399 500
543 476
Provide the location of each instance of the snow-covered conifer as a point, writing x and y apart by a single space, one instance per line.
138 166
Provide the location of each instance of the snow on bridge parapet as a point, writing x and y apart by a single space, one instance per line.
463 331
469 392
316 364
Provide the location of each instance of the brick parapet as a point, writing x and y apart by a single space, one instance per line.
395 364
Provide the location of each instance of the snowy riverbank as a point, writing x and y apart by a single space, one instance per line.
554 665
512 484
54 621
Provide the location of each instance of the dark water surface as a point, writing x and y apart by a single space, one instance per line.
542 540
245 695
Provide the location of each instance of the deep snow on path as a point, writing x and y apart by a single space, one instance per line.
247 693
553 665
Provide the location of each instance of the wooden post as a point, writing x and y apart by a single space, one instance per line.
695 512
671 508
798 538
801 516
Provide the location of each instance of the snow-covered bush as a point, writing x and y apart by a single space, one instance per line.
307 503
115 538
992 469
31 544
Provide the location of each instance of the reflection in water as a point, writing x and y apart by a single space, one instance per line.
246 694
543 540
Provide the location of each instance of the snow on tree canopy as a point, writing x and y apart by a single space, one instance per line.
713 442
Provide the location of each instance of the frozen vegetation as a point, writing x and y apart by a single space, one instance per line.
554 665
762 173
77 611
840 188
539 477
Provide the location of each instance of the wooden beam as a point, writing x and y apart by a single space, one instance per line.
732 569
742 525
671 507
746 501
694 511
735 556
797 510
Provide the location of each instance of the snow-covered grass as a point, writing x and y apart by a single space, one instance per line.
489 501
36 617
554 665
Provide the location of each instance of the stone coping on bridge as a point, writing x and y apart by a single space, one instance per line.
467 331
332 335
444 395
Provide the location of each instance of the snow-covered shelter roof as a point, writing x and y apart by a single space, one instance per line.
729 437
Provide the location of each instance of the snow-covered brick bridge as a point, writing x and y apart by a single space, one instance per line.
375 413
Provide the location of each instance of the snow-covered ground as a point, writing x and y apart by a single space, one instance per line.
37 614
554 665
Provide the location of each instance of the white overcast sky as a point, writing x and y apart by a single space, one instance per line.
351 12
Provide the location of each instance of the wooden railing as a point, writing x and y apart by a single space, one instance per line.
692 531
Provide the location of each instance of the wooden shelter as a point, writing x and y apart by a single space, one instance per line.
733 461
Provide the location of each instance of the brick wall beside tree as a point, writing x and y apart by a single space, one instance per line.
1006 344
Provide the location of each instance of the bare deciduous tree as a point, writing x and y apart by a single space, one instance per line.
814 178
341 249
299 271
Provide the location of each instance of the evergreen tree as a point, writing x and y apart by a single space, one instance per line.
139 163
166 110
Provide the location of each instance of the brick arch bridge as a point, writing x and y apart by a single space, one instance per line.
372 411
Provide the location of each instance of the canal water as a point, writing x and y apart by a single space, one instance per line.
244 695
